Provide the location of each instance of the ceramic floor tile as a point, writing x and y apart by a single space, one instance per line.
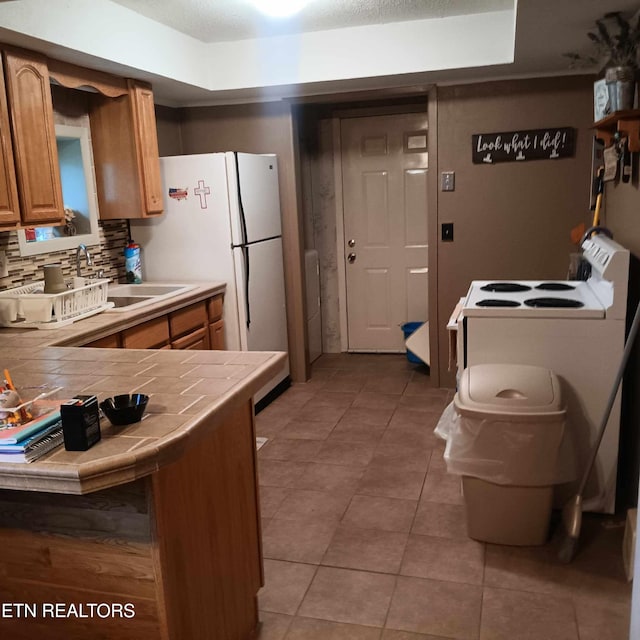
297 540
412 429
344 595
353 602
273 626
312 629
308 429
282 448
321 412
384 514
322 506
436 608
522 568
330 477
393 634
270 499
366 549
444 559
346 382
346 453
387 384
372 400
409 458
440 519
507 615
349 431
363 415
602 619
391 482
285 586
279 473
442 487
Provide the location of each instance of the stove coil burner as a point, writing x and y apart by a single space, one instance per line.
505 287
554 303
497 303
555 286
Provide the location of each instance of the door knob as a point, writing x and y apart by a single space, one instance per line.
351 257
352 243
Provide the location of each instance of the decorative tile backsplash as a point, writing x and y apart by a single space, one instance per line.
108 255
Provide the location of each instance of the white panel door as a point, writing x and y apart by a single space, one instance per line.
384 168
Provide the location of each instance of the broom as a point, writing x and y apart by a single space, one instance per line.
572 511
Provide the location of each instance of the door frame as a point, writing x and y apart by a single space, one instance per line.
432 224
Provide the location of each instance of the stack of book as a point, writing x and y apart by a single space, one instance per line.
30 441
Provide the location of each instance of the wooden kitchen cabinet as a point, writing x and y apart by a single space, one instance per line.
33 136
216 323
188 327
153 334
125 150
108 342
216 336
9 207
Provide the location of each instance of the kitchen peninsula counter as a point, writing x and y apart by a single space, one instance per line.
159 518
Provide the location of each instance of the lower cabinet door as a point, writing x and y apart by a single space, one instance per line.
197 340
216 335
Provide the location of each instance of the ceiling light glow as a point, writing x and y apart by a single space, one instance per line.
279 8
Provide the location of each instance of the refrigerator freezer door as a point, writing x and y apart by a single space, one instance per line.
192 239
254 195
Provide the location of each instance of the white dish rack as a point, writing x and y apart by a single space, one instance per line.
29 307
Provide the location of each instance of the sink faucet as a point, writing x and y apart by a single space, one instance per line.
82 249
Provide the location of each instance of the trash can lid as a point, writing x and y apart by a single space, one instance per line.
523 392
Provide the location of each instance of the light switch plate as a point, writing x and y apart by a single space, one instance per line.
448 181
4 264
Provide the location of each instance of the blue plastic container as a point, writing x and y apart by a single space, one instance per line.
408 328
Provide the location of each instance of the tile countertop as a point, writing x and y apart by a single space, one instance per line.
190 392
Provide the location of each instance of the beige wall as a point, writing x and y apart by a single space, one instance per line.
263 128
511 220
169 132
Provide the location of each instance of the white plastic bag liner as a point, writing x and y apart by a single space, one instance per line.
502 451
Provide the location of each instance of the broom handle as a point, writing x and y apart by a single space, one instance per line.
612 396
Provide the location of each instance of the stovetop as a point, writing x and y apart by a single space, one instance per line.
532 298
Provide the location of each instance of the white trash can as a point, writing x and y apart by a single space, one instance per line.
503 430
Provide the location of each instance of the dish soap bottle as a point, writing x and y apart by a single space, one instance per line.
133 263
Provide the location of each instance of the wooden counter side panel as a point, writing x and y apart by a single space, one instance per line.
208 541
76 550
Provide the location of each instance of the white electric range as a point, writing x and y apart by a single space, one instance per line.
576 329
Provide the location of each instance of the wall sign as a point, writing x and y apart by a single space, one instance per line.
515 146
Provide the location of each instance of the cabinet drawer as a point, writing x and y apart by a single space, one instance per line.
108 342
196 340
187 319
215 308
148 335
216 336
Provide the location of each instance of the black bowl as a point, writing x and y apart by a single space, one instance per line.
125 409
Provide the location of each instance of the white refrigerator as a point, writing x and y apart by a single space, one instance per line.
221 221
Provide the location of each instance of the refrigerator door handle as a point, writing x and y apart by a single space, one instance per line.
245 248
245 253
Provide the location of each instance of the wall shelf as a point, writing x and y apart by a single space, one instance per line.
627 123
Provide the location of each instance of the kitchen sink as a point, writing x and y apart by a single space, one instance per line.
126 301
127 297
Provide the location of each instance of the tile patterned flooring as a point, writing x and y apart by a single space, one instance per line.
364 532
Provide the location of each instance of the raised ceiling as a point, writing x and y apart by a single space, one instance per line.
223 51
225 20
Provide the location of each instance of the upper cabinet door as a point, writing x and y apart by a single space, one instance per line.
34 138
125 152
9 208
145 118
